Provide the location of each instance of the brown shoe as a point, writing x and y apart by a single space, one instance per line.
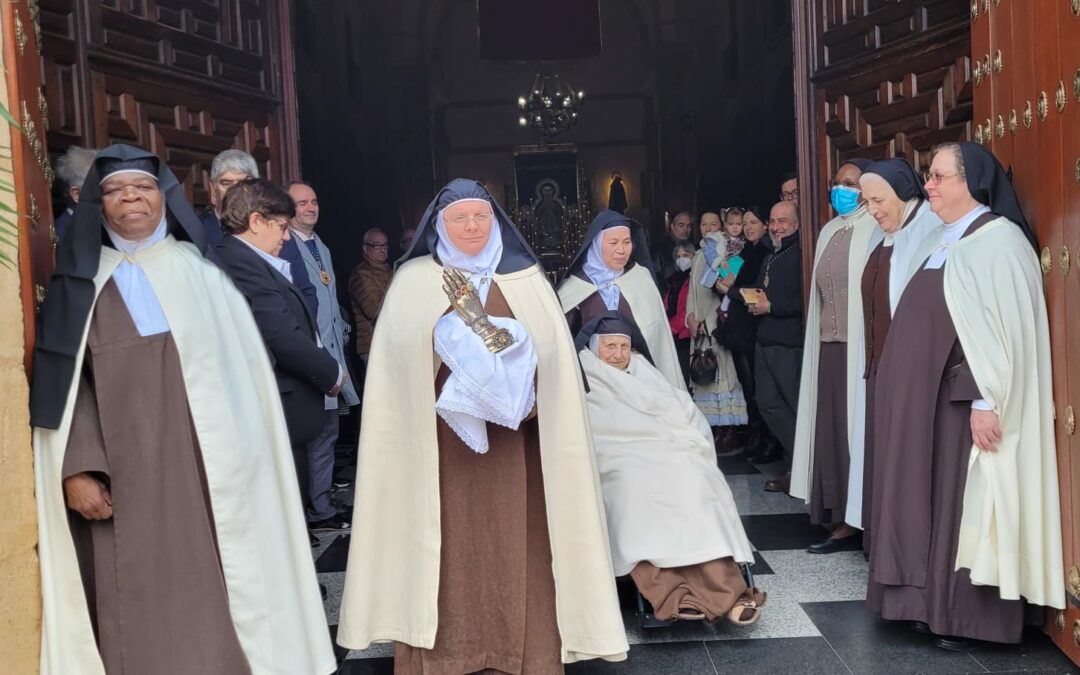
779 484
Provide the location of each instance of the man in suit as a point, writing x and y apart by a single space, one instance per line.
255 218
229 168
332 331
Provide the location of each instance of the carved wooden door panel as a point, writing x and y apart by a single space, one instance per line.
30 173
876 79
185 79
1026 55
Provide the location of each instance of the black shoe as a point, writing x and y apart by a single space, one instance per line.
852 542
779 484
921 627
313 540
332 524
958 644
322 591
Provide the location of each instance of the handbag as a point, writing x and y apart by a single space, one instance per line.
703 362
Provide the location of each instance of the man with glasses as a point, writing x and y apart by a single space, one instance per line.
778 300
789 188
367 287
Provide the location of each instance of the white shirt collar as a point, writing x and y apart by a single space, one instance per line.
300 235
282 266
953 231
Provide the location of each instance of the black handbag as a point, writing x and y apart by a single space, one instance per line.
703 362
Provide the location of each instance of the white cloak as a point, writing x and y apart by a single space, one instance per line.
667 502
639 289
1010 530
236 411
864 226
392 579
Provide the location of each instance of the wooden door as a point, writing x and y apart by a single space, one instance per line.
185 79
1027 110
32 174
875 79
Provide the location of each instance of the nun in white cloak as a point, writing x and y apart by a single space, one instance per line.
672 519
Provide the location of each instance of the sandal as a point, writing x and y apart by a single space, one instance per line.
737 613
689 614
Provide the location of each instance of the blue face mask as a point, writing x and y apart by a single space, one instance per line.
844 199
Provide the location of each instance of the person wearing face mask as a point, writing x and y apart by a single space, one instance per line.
479 538
678 289
720 400
830 396
679 229
611 272
897 201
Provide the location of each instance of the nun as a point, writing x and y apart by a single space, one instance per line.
479 540
171 534
652 442
829 391
611 272
966 519
907 229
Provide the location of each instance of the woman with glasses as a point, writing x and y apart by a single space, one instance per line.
829 395
255 215
966 519
612 272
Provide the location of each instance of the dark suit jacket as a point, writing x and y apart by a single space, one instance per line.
290 252
304 371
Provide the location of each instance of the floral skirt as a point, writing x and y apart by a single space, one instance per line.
722 401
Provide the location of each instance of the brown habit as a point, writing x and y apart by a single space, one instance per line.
711 588
593 306
828 490
923 439
496 590
877 316
152 573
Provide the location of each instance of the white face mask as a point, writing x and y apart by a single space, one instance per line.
683 263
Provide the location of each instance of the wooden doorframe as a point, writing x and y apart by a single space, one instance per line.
806 130
290 112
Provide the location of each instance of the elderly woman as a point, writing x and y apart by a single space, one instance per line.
895 198
828 392
720 399
478 530
611 273
652 443
966 518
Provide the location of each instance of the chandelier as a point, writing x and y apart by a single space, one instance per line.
551 107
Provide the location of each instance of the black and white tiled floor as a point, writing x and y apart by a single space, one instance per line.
815 620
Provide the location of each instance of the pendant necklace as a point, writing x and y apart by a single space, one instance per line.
768 265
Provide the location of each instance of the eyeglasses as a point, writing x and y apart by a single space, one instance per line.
375 246
789 195
480 219
854 184
936 177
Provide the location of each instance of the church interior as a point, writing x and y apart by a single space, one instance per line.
688 102
560 109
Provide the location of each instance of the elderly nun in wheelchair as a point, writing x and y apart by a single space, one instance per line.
672 521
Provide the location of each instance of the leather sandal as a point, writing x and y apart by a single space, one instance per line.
735 615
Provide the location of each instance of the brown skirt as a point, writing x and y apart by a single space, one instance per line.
711 588
949 603
868 461
828 490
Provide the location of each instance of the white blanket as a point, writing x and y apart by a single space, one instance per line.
666 500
